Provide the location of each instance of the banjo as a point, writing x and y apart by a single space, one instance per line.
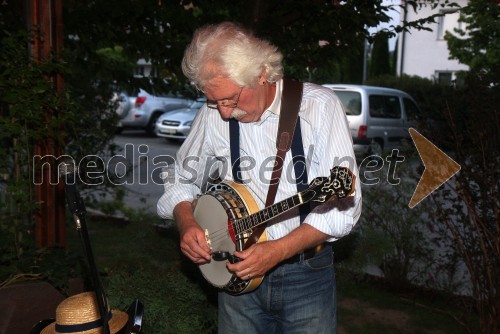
228 214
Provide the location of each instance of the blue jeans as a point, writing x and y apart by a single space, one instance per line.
293 298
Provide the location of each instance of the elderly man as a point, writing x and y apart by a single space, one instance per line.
241 76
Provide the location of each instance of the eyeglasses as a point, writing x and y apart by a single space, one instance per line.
225 103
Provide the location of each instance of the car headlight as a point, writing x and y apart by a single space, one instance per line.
188 123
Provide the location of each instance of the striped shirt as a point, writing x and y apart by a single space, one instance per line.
326 140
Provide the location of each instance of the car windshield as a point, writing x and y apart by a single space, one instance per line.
351 101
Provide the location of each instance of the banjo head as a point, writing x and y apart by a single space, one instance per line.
213 219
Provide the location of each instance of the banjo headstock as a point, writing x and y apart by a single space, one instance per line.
340 183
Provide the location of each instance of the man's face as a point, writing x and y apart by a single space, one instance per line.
225 93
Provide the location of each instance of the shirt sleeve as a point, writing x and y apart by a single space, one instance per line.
183 180
333 147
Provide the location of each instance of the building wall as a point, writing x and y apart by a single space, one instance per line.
425 53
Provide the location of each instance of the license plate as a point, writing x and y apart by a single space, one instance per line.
167 132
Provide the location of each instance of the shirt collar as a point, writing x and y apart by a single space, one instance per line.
275 107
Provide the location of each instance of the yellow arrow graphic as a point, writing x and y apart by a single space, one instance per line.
439 167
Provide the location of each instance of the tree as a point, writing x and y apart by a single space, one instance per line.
474 217
475 132
478 45
316 36
394 58
380 62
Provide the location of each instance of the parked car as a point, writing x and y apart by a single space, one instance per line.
177 124
379 117
148 108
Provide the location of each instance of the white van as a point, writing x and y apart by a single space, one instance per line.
378 117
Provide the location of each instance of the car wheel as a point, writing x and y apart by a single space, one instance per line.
375 148
150 128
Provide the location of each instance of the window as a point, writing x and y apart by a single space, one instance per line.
154 72
448 22
412 111
384 106
351 101
444 78
139 71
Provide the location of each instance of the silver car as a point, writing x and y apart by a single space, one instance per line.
176 124
378 117
148 108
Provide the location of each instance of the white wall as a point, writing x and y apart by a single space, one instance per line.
426 52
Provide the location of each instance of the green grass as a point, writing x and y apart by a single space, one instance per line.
137 260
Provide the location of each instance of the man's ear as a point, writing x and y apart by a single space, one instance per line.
263 77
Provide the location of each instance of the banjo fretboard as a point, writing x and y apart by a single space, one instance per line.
246 224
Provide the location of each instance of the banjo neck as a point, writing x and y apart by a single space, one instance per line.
340 184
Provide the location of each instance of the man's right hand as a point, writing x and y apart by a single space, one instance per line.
193 242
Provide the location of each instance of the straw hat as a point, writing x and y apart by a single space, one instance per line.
79 314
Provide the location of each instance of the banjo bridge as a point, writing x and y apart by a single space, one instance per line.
207 238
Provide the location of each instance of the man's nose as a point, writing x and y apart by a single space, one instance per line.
225 112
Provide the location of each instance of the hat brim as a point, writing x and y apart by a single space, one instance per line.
116 323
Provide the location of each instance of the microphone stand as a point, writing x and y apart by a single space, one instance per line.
77 208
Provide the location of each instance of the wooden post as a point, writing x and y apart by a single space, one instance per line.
45 18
